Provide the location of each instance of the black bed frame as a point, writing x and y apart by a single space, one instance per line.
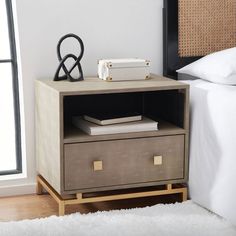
171 59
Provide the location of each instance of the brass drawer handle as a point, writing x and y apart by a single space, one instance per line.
97 165
157 160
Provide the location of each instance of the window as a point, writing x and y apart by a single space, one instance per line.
10 131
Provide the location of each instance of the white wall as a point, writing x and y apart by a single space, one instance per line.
109 29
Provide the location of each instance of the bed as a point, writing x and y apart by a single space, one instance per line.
213 112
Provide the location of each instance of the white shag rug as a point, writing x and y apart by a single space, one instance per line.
181 219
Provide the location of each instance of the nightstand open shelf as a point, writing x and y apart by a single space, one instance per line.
74 135
71 163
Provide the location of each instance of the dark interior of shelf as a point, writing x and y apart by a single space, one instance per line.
165 105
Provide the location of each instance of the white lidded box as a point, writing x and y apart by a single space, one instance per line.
123 69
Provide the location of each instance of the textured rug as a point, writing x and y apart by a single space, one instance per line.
163 220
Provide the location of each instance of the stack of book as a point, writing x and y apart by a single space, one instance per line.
114 124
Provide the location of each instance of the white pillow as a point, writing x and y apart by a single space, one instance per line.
218 67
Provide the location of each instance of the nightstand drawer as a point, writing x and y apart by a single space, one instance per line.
123 162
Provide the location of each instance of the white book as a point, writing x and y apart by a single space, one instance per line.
90 128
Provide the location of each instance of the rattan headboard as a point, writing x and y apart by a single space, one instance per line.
195 28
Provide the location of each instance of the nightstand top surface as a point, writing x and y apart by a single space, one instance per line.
93 85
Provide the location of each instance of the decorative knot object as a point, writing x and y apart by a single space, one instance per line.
77 59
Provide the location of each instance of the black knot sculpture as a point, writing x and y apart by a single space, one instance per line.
77 59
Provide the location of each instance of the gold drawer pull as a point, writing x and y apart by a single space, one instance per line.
97 165
157 160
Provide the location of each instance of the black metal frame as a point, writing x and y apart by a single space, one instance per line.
15 88
171 59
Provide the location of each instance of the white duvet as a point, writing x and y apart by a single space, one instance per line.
212 180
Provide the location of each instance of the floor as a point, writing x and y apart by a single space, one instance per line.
37 206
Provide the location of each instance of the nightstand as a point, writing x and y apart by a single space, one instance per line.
72 164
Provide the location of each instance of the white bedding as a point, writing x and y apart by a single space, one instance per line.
212 180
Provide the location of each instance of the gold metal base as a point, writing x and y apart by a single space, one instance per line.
79 199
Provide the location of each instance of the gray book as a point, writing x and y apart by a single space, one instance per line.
108 119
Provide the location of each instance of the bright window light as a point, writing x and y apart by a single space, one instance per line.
7 120
4 35
10 155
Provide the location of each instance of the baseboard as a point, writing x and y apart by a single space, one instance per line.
14 190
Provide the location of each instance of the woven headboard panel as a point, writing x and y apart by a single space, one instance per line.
206 26
195 28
